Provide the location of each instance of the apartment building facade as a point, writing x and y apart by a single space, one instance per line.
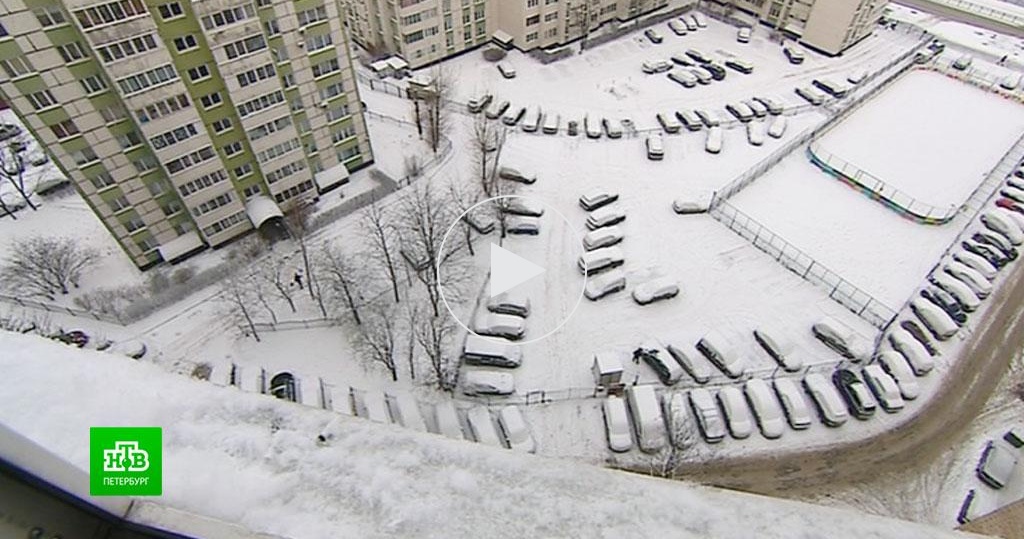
186 123
830 26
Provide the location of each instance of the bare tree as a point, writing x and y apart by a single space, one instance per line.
275 271
256 276
341 278
683 439
376 338
298 222
12 167
378 225
487 143
435 102
433 334
236 295
46 265
465 197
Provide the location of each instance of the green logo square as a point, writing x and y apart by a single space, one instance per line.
125 461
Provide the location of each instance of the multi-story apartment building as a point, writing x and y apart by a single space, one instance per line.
186 123
830 26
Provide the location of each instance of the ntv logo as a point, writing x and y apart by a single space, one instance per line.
125 461
125 457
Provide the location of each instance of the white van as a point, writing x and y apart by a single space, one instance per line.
647 420
482 427
616 424
831 407
709 417
897 367
713 142
755 133
511 302
766 409
777 127
600 260
737 415
935 319
793 403
602 237
406 412
604 284
912 350
607 216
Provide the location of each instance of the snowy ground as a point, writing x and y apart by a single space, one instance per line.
992 45
932 137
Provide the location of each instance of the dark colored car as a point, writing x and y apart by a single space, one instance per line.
717 71
656 363
654 36
75 337
996 242
855 392
996 466
1013 194
1009 205
698 56
921 336
985 252
573 128
944 301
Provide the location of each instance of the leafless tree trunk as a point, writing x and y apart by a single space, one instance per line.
465 198
45 266
376 338
12 167
236 295
256 276
486 144
433 333
275 271
341 278
378 225
298 223
435 102
413 314
7 211
417 116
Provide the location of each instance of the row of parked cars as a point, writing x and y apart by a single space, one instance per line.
490 349
692 68
680 26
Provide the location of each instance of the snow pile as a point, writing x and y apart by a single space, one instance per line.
253 460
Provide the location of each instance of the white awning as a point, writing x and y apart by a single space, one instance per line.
502 37
397 63
330 178
180 246
260 208
380 66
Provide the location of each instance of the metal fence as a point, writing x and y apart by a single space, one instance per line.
983 11
379 85
60 309
288 325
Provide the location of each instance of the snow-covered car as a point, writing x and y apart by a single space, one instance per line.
709 417
522 225
668 122
496 110
499 325
8 131
810 95
607 216
692 364
897 367
886 391
551 123
956 288
831 87
406 412
655 66
616 424
600 260
793 403
697 56
943 300
510 302
513 115
998 241
690 119
963 62
740 111
921 335
703 76
713 142
513 174
596 198
690 22
757 107
592 128
491 352
677 418
755 133
482 427
743 35
857 77
709 118
841 338
777 126
978 263
655 147
858 397
655 290
826 399
612 128
477 104
699 20
531 124
916 354
717 349
772 104
523 206
661 362
1002 222
684 206
935 319
765 408
134 349
647 417
990 255
507 70
997 465
677 28
793 54
602 285
737 415
517 434
653 36
974 280
1010 82
780 349
488 383
602 237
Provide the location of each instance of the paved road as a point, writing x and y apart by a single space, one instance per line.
917 441
952 14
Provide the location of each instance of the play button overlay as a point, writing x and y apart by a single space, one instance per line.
523 281
509 270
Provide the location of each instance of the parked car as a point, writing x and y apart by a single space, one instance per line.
499 325
9 131
974 280
655 357
677 419
841 338
691 25
717 72
781 350
653 35
690 119
606 216
997 260
755 133
655 147
507 70
478 104
699 19
647 418
697 56
132 348
740 111
857 77
677 28
517 205
856 394
913 351
693 365
717 349
1009 204
709 418
1010 82
979 263
604 284
774 105
826 399
756 107
713 142
997 465
965 297
598 260
612 128
482 427
491 352
935 319
684 206
810 95
497 110
517 434
793 403
884 387
514 174
793 54
682 59
513 115
572 129
1003 222
684 77
652 67
944 301
522 225
742 66
743 34
602 237
831 87
669 123
962 62
531 124
737 415
596 198
777 127
921 335
655 290
510 302
487 383
616 424
593 129
896 366
765 408
710 118
551 123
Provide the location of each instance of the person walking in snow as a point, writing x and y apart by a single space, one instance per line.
298 278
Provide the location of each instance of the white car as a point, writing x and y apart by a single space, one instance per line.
596 198
717 349
709 417
499 325
897 367
517 434
696 367
507 70
604 284
857 77
551 123
655 290
956 288
713 142
810 95
777 127
737 415
831 407
600 260
841 338
513 174
978 263
793 403
685 206
491 352
488 383
884 387
480 424
699 20
607 216
1000 221
616 424
974 280
511 302
915 353
602 237
612 128
655 148
766 409
133 349
743 35
780 349
755 133
592 128
531 124
935 319
655 66
522 225
523 206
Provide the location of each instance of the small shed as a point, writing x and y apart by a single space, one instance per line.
607 368
502 39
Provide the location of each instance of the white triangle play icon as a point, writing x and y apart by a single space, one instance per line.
509 270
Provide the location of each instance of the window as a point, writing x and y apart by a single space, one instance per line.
272 27
49 16
348 153
218 201
184 43
221 125
203 182
294 191
129 140
331 90
101 180
147 244
243 171
296 104
532 36
190 160
197 74
343 134
84 156
174 136
311 16
41 100
157 188
3 31
233 148
251 191
112 113
288 79
551 32
337 113
317 42
549 2
285 171
255 75
128 47
231 220
162 108
118 204
211 100
278 150
65 129
479 11
183 228
16 67
171 208
419 35
170 10
270 127
262 102
532 3
145 164
93 84
325 67
280 54
134 223
111 12
245 46
71 52
147 79
532 20
550 16
228 16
